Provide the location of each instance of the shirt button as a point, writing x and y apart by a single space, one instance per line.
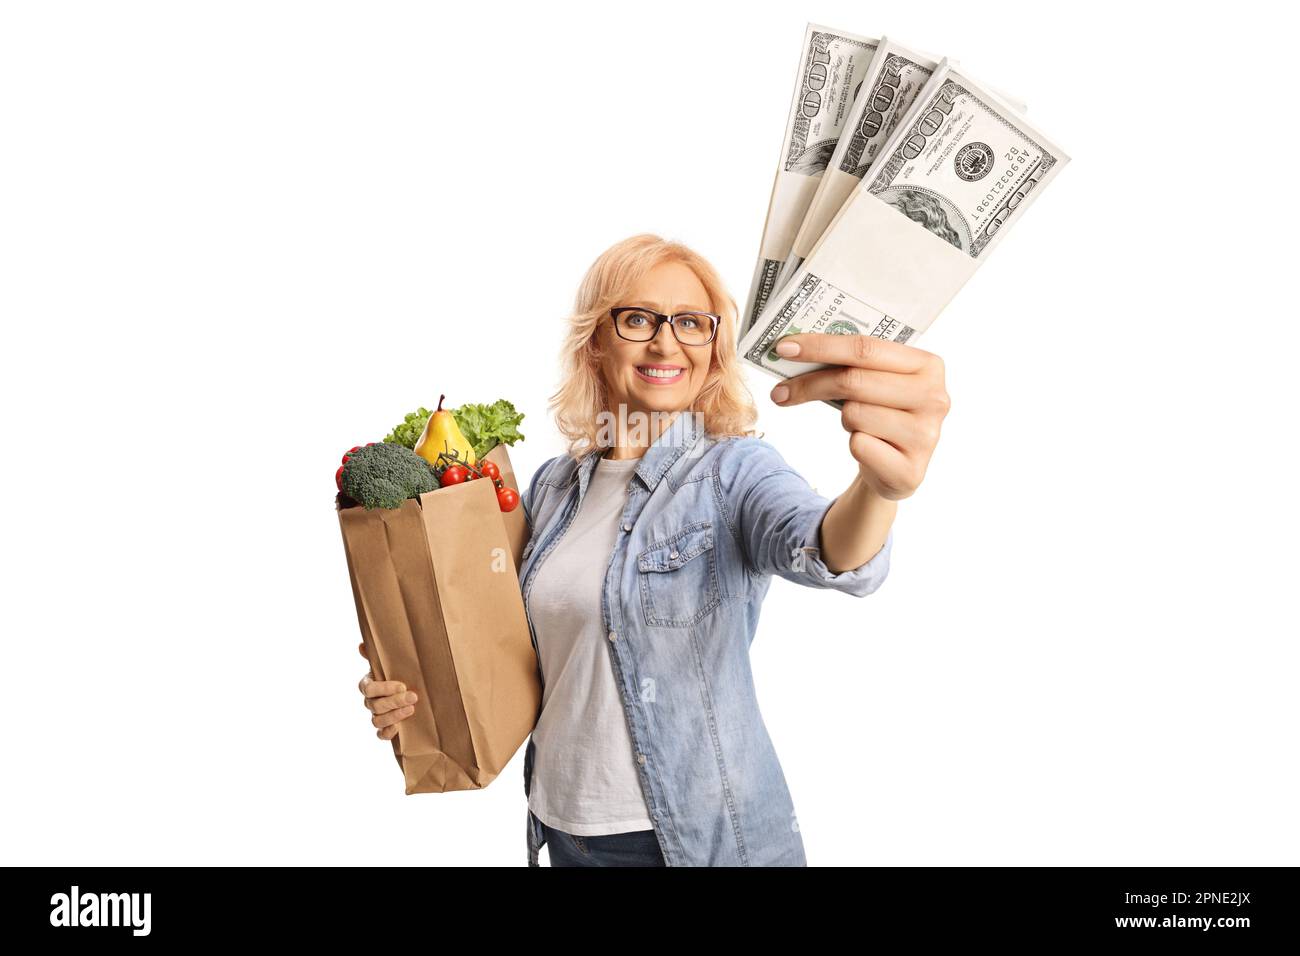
627 527
640 758
613 636
672 554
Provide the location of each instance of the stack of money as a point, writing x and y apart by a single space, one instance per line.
873 232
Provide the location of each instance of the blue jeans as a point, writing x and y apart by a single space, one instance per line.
633 848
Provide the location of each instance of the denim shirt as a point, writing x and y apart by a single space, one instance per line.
708 522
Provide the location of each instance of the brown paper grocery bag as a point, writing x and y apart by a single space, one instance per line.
515 521
438 600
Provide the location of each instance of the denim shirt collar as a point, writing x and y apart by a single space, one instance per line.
676 440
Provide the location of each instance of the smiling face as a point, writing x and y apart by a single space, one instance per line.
661 375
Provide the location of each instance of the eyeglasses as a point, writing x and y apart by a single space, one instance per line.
641 325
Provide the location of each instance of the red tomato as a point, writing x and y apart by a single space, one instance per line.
453 475
338 477
508 499
490 469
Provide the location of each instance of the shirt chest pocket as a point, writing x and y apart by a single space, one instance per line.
679 577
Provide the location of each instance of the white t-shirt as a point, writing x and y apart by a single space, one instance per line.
584 778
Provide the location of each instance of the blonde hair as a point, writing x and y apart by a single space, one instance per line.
724 400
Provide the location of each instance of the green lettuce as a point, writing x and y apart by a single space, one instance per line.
482 425
485 426
409 432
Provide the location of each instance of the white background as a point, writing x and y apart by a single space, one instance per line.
238 238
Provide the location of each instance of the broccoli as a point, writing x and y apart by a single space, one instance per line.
384 475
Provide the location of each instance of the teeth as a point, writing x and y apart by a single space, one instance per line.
660 372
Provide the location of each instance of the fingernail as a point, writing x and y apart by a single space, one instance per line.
410 698
780 393
788 349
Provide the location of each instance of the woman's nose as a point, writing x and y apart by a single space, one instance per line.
664 342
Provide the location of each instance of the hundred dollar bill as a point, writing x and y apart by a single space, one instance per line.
831 70
891 85
893 82
962 168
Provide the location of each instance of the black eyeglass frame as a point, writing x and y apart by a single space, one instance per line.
660 319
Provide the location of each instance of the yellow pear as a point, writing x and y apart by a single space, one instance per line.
441 433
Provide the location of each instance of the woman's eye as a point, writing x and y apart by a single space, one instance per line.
689 322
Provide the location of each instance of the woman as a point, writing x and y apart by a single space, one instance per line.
653 542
